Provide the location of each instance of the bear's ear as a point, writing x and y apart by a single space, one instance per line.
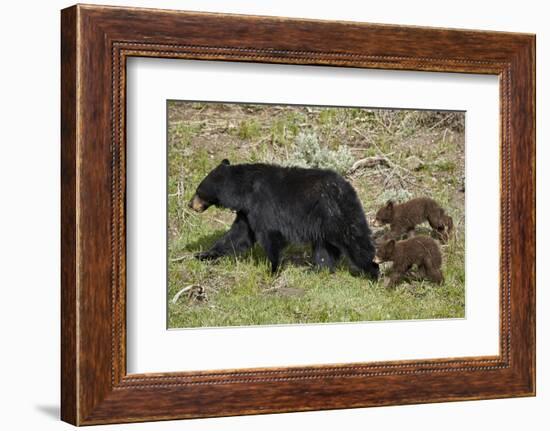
389 204
390 245
225 162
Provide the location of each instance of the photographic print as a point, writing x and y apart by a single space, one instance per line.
252 222
286 214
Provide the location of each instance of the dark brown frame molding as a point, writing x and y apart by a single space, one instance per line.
95 43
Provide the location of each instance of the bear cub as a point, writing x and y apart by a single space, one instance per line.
420 251
277 206
404 217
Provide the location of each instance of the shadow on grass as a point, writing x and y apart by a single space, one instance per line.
204 242
292 255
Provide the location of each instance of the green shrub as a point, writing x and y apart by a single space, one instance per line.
308 153
249 129
396 195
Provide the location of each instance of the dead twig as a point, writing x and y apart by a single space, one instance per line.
445 118
370 162
195 292
182 291
178 192
407 177
182 258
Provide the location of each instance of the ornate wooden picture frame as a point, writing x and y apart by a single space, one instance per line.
95 43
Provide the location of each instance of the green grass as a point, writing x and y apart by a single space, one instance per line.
301 295
240 290
249 129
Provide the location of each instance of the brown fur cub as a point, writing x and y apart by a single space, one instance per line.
421 251
404 217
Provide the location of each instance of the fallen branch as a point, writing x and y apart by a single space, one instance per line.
181 258
370 162
396 168
185 289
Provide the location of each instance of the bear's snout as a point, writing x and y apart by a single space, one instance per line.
197 204
377 223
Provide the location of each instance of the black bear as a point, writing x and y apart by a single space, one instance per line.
404 217
420 251
277 206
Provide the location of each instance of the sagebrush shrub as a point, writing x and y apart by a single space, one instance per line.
308 153
396 195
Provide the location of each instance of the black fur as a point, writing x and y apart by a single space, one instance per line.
277 206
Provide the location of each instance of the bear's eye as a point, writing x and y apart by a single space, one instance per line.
205 194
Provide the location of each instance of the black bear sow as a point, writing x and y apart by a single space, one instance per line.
277 206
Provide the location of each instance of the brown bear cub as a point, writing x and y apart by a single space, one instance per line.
421 251
404 217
